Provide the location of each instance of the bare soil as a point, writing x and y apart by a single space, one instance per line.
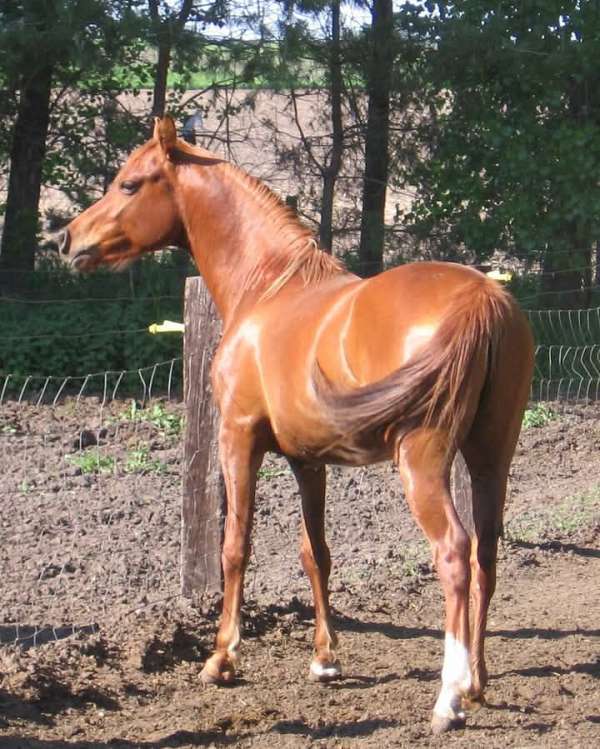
97 553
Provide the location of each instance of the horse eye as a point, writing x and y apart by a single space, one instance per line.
129 186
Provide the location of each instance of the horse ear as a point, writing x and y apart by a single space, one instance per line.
165 133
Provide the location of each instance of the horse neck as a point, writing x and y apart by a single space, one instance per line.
241 236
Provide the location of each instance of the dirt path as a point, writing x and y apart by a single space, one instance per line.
543 654
113 537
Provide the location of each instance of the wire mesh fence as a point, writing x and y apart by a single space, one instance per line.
91 498
89 494
91 482
567 355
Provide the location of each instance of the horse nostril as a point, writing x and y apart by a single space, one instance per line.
64 241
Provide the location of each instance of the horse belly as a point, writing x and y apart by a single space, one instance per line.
320 445
302 431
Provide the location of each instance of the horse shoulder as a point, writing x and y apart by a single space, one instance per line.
236 377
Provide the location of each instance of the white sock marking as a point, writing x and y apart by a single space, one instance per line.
456 679
329 672
233 646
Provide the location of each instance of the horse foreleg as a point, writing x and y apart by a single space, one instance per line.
316 560
425 472
240 462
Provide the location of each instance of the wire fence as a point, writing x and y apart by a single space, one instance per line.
567 355
91 497
92 467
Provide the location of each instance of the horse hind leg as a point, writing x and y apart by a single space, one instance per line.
488 458
316 561
423 462
488 450
488 501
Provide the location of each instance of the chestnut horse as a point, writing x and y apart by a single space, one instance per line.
324 367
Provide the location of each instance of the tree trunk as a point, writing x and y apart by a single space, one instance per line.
376 144
167 30
159 98
19 238
331 170
567 273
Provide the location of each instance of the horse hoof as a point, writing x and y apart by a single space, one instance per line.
324 672
215 676
441 723
473 703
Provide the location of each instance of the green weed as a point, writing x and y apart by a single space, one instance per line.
158 415
271 473
93 462
538 416
140 461
415 558
170 423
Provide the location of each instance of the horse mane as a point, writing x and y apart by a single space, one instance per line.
299 252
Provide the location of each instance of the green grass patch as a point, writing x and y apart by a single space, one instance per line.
158 415
538 416
92 462
563 519
416 558
271 473
141 461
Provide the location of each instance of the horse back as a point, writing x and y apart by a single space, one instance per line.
355 333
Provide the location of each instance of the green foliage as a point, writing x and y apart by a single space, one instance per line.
538 416
271 473
510 130
140 461
93 462
92 323
169 423
85 43
253 65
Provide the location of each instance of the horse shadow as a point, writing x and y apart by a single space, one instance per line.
559 547
591 669
175 739
352 729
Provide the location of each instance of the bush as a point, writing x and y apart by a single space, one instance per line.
72 325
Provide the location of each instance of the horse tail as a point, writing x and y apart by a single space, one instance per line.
434 388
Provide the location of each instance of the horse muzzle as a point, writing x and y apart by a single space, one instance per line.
81 259
84 259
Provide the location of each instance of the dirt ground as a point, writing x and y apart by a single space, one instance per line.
89 543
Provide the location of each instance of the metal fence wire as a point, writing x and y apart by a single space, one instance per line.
91 500
567 355
90 489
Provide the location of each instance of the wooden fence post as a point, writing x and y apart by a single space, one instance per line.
203 504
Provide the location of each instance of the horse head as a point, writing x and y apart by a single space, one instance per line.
138 213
